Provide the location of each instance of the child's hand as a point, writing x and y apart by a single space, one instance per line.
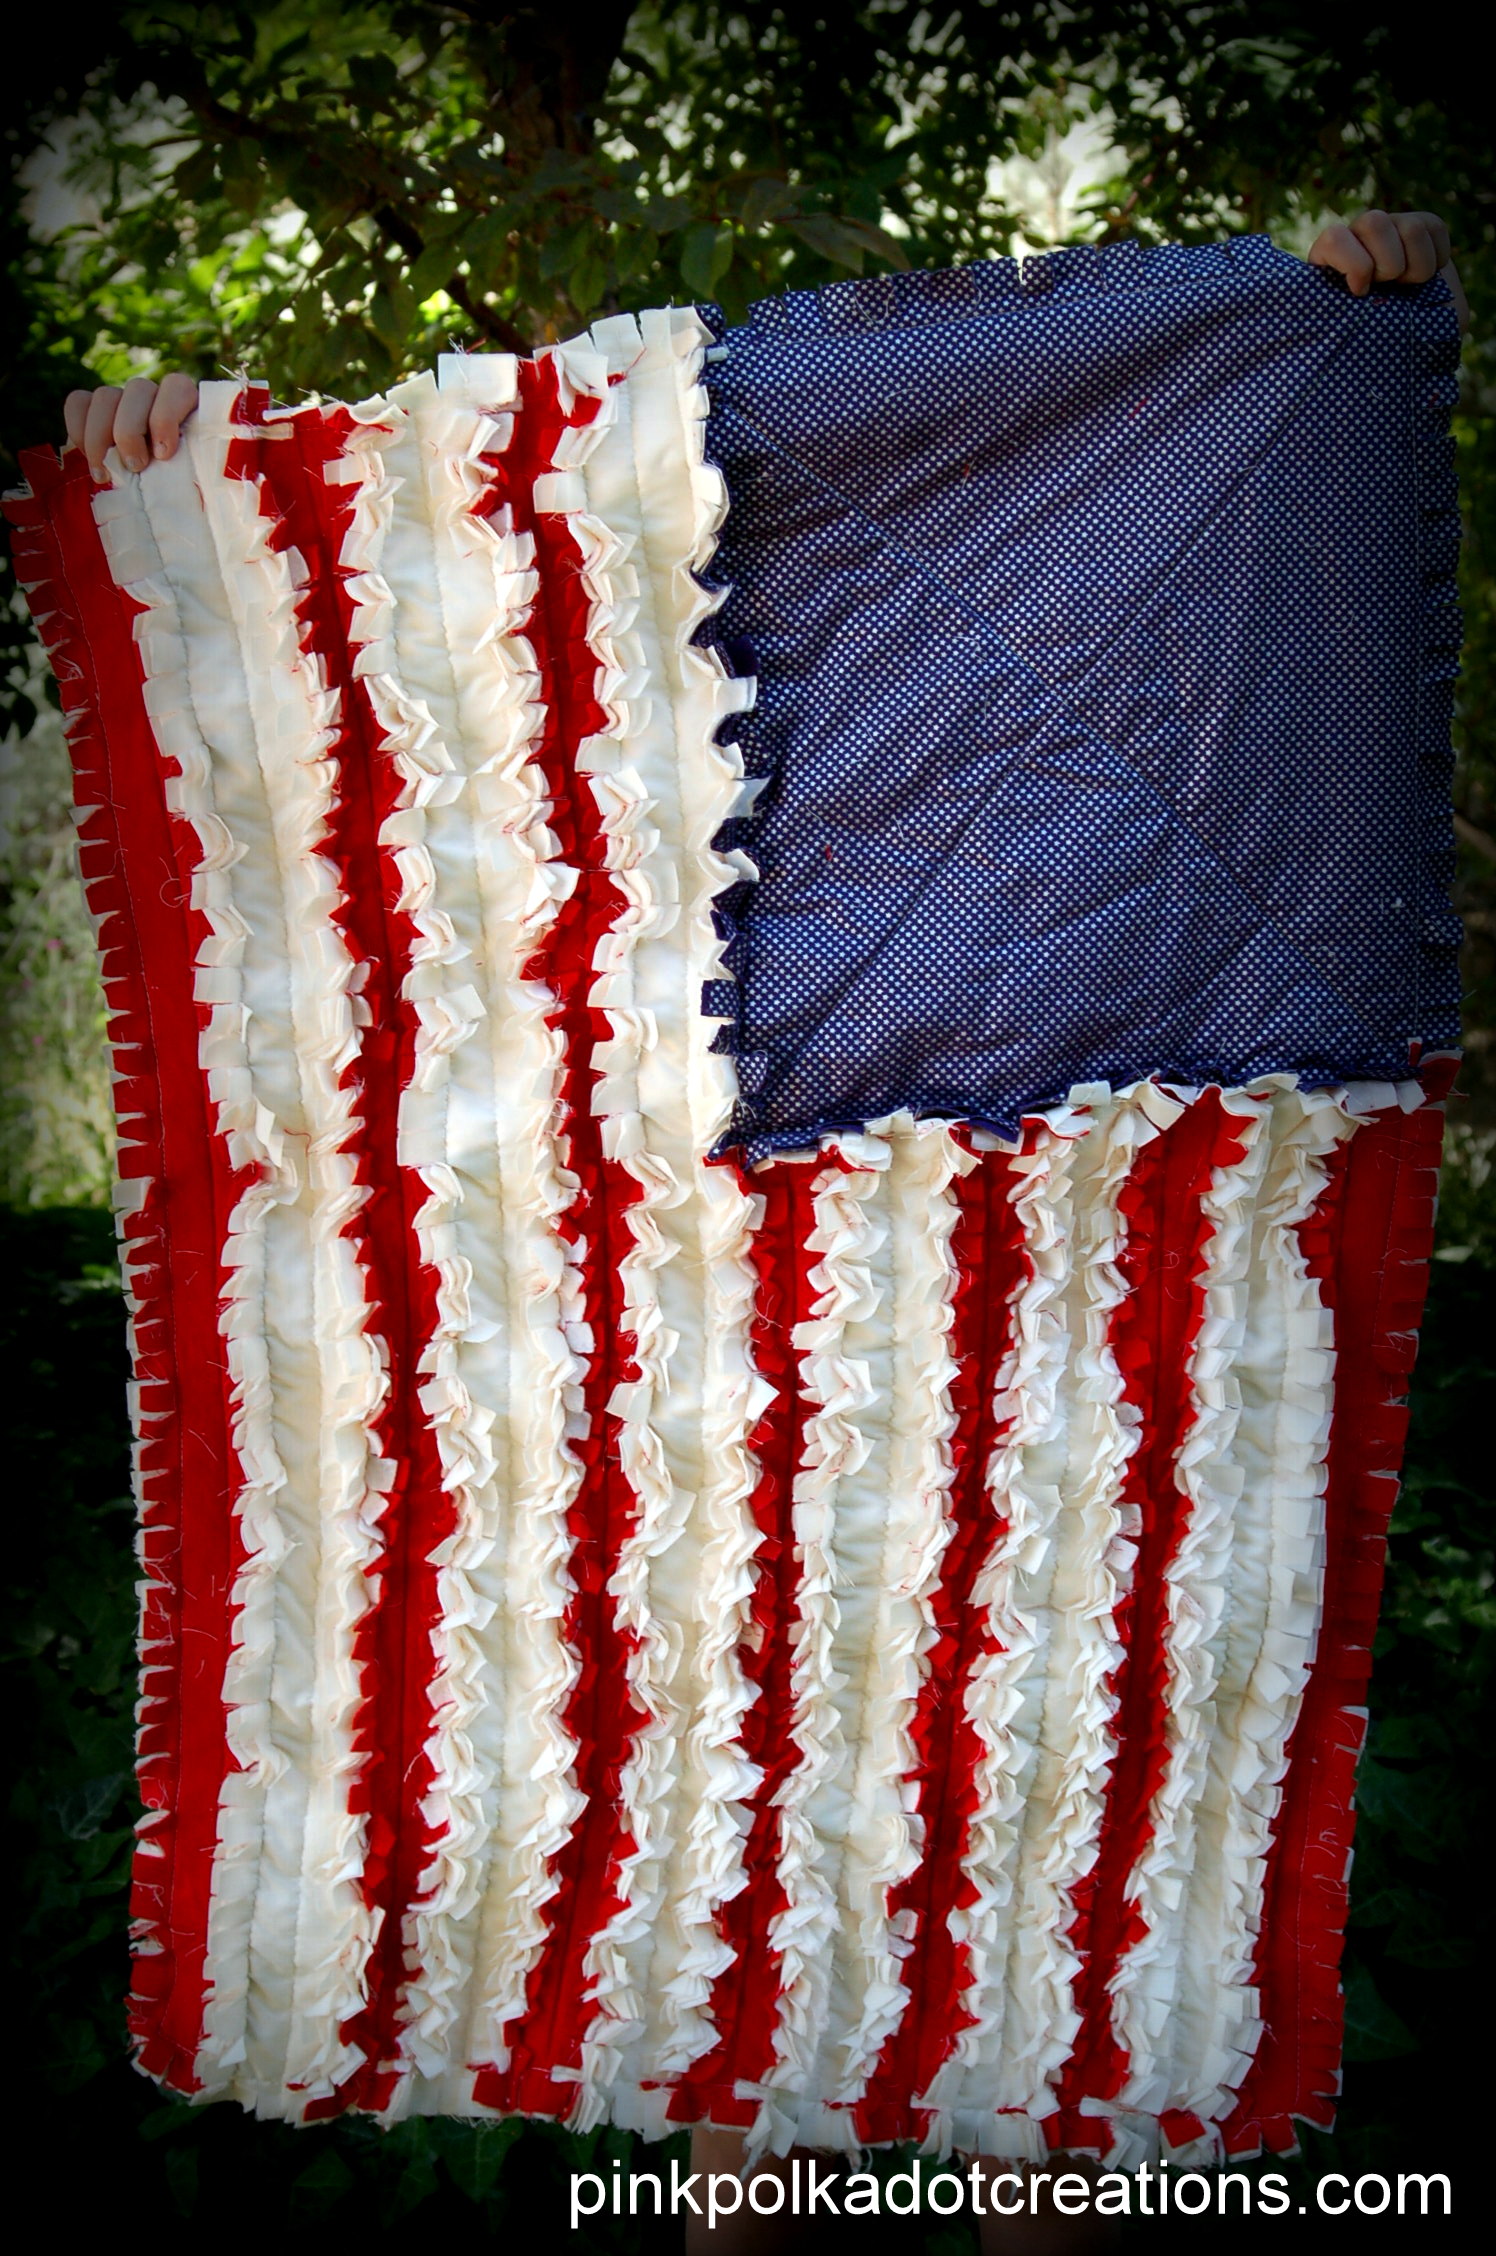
1390 247
144 419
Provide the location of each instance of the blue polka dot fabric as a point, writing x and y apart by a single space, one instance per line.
1103 617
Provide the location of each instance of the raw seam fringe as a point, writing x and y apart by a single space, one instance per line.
141 1227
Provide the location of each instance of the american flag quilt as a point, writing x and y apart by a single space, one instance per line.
777 998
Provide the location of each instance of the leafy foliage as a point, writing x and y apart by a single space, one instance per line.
56 1133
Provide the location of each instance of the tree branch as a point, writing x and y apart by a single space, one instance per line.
1470 834
407 238
495 326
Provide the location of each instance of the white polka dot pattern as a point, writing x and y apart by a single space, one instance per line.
1103 621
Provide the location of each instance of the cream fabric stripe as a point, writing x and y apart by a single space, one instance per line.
295 717
268 720
633 771
1088 1566
629 771
683 503
672 428
443 603
480 585
1000 1699
1044 1702
842 1498
488 586
1274 1367
688 1565
884 1840
1197 1580
846 1250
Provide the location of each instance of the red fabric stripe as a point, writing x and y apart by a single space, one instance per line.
137 863
602 1715
392 1644
1368 1243
992 1266
1153 1333
745 1998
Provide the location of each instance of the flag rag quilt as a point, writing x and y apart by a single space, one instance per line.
776 998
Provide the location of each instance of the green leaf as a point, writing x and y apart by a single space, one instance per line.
244 181
418 2182
560 248
587 281
878 240
1372 2030
1405 1804
196 176
635 250
1382 1906
385 316
1408 1738
666 213
558 168
73 2054
1433 1951
105 1856
768 199
830 239
164 2122
373 75
487 249
706 254
181 2177
321 2185
433 269
474 2161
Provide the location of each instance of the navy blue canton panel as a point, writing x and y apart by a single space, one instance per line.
1102 612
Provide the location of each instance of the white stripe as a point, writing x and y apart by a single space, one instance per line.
289 1935
1281 1369
518 1664
1089 1566
837 1442
851 1373
627 768
536 1802
682 503
997 1703
696 1401
1196 1581
885 1837
1043 1703
443 598
295 717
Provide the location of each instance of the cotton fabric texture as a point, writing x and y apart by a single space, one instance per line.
1104 620
807 1563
